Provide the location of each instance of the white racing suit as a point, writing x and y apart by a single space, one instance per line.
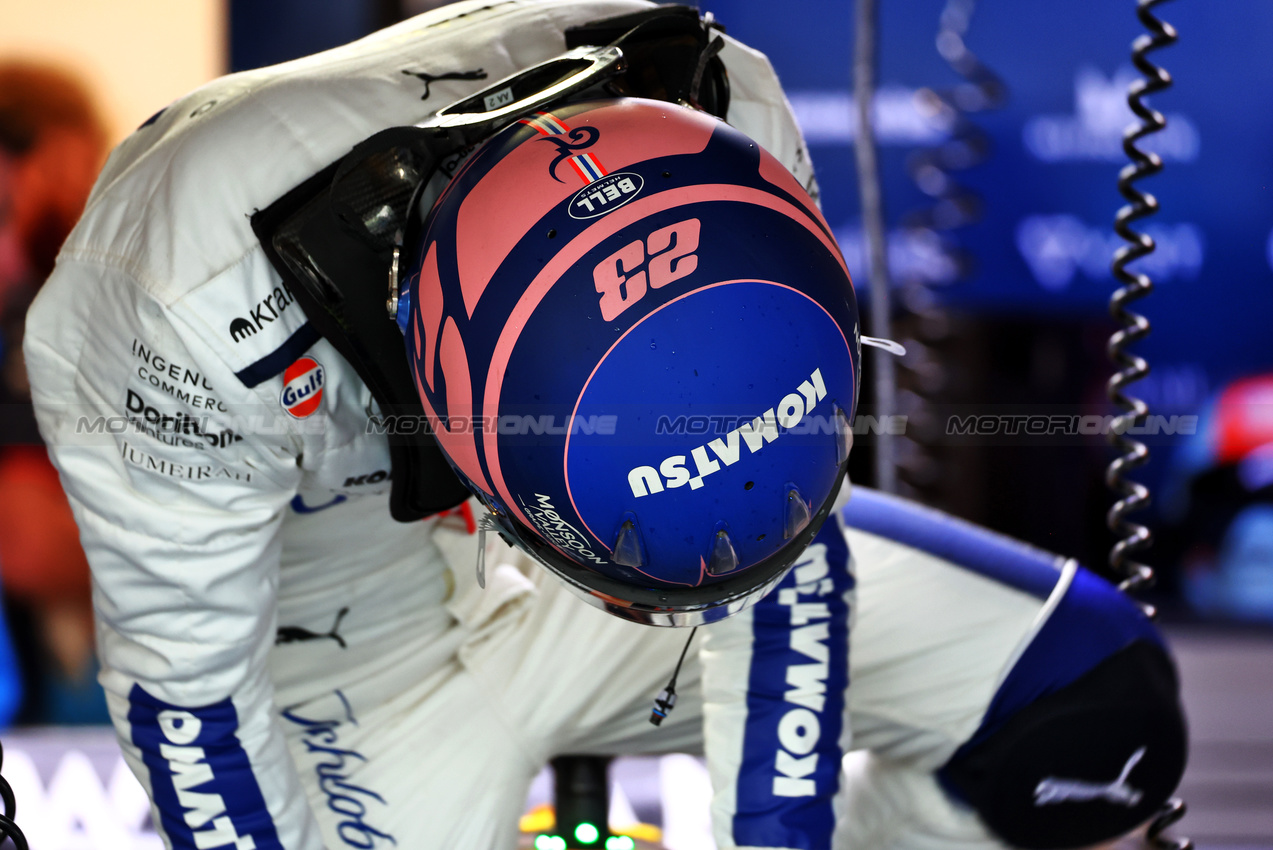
287 667
252 592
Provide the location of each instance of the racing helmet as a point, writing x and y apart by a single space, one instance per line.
637 343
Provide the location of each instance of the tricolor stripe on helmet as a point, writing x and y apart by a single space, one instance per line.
584 164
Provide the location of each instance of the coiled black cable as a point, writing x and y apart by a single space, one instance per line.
1133 327
9 828
1172 811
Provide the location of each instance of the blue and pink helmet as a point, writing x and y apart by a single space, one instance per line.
637 343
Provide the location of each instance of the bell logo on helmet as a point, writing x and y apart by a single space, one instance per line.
302 387
674 472
621 279
608 193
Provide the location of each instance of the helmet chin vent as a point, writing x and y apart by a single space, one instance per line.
724 559
798 515
844 435
627 549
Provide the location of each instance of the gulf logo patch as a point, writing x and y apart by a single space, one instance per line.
302 387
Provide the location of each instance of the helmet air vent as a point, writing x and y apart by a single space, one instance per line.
627 549
797 514
844 435
724 559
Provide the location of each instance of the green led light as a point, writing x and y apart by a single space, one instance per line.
620 842
559 843
586 833
543 842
